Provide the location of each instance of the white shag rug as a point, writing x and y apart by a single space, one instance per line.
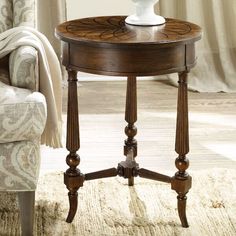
109 207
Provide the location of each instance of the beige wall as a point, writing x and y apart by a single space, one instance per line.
85 8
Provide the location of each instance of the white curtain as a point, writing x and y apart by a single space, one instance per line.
216 52
51 13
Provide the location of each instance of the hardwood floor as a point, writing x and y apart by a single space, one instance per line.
102 104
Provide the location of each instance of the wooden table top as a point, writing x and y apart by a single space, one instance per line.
114 30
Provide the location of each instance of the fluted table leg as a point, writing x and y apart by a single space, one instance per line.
73 178
181 182
131 118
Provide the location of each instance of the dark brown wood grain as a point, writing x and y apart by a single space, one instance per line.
112 172
73 140
181 182
125 50
114 30
129 167
147 174
73 178
135 60
131 118
108 46
182 136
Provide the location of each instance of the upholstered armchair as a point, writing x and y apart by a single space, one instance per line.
22 114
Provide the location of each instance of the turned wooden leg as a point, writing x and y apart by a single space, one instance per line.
26 203
181 182
73 178
131 118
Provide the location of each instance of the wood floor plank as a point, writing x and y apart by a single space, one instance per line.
212 127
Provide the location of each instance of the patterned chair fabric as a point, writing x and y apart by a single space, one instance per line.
23 68
22 110
19 165
15 13
6 15
23 61
23 12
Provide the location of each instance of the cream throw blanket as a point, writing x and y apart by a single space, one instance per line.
49 76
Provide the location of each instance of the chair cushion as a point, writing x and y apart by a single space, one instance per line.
22 114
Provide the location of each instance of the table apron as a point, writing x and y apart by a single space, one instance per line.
123 61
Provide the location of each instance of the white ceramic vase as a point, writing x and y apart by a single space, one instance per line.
145 14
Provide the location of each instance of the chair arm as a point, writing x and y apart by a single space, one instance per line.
23 68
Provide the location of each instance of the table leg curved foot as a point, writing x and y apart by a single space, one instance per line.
73 183
73 201
182 200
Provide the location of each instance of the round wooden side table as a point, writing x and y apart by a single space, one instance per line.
108 46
